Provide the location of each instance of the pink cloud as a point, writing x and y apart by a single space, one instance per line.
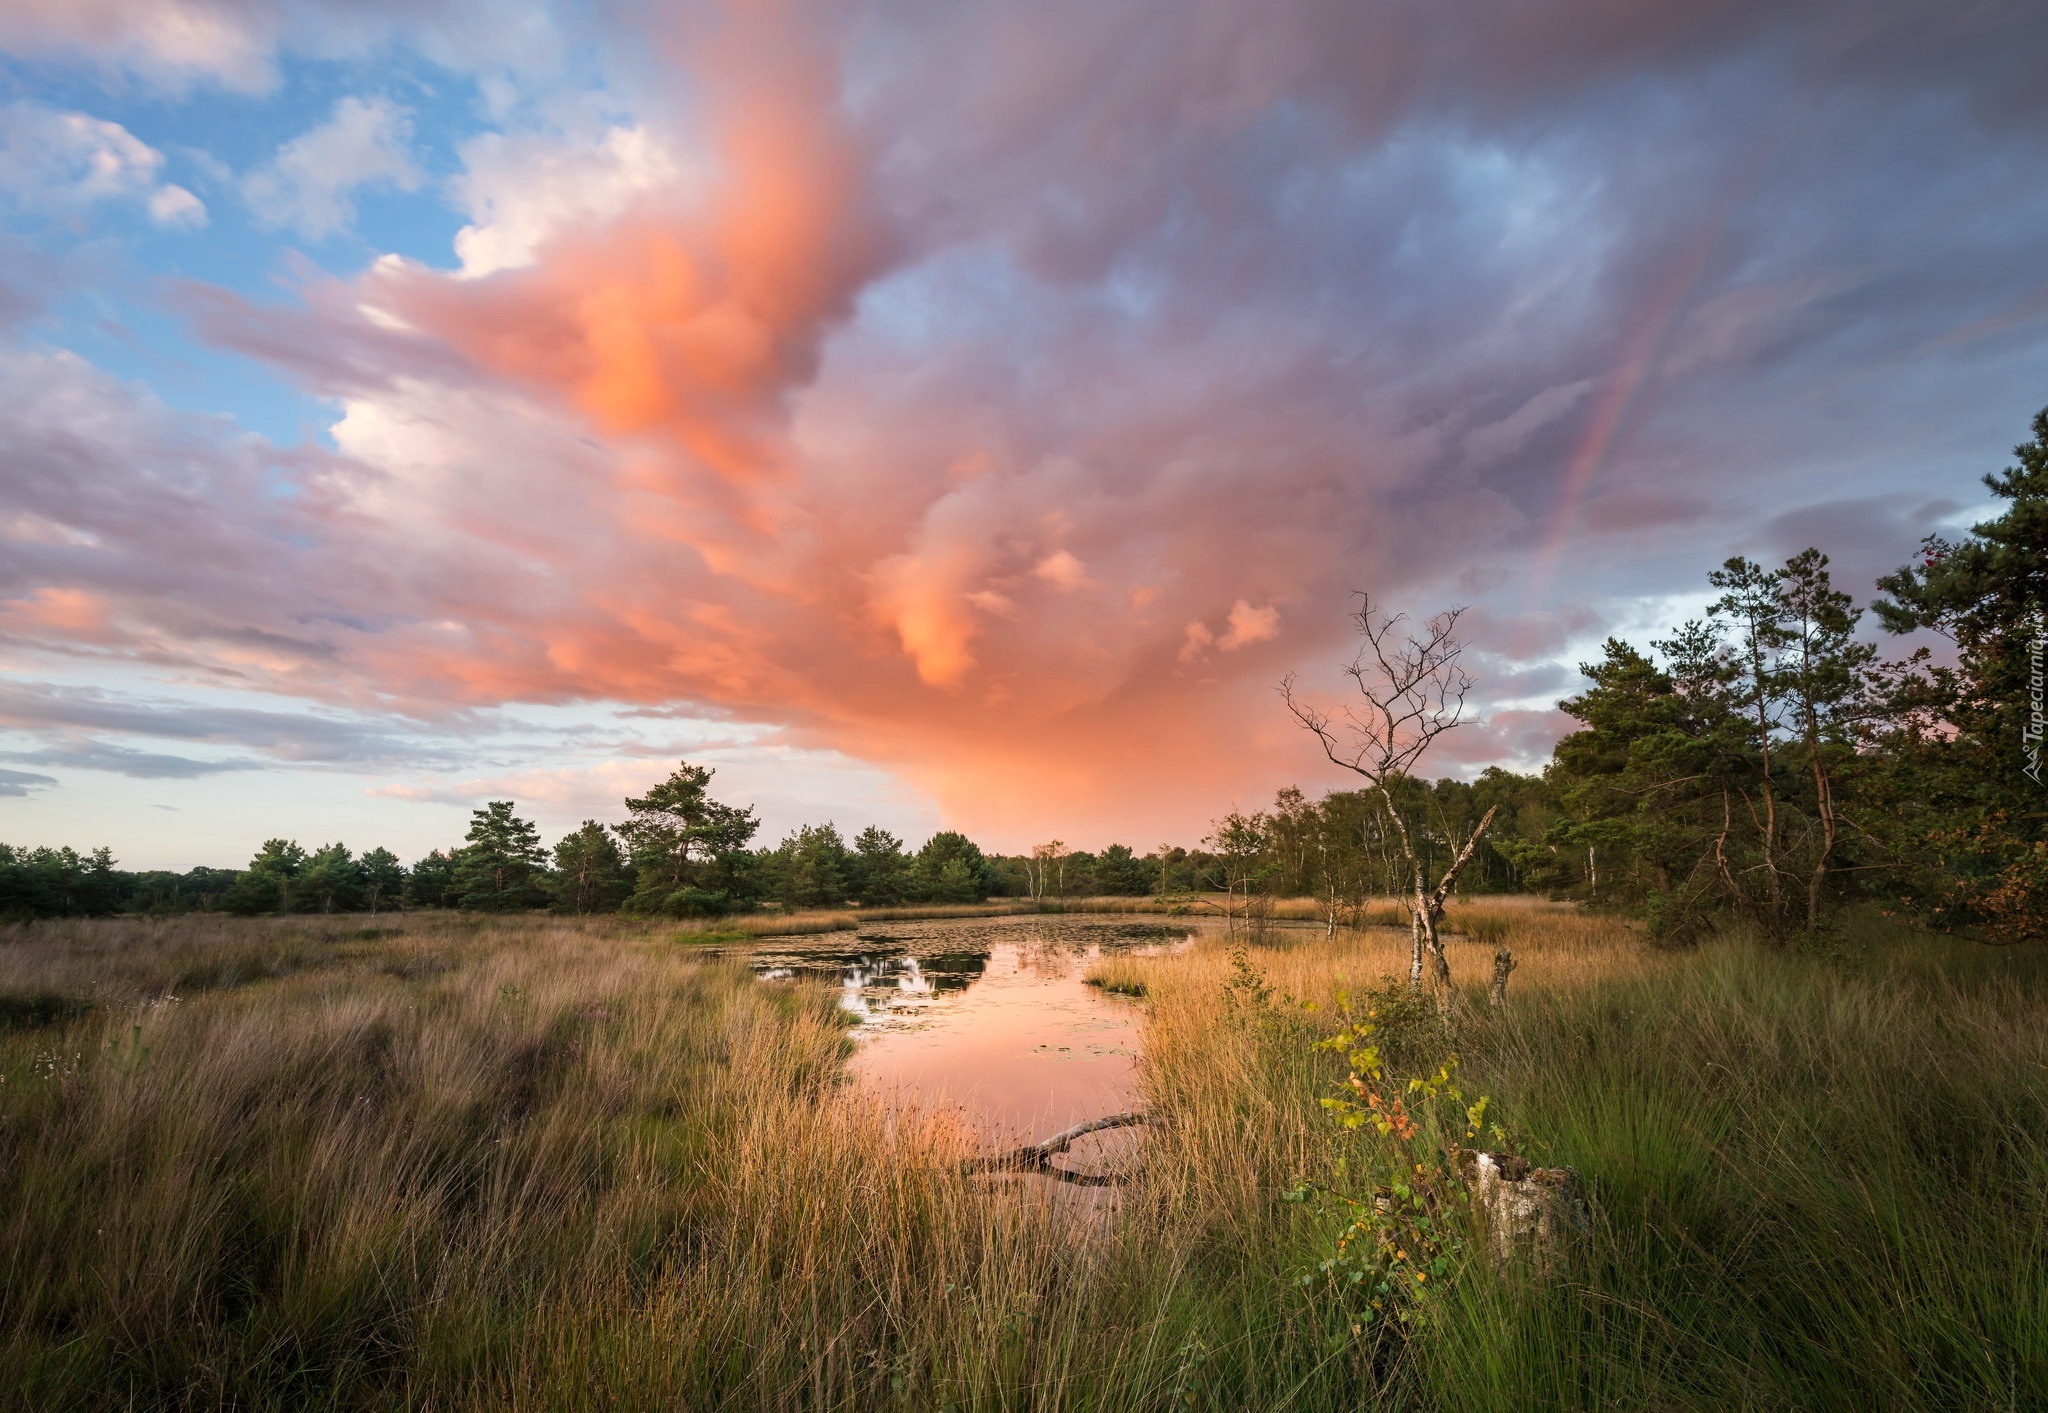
976 396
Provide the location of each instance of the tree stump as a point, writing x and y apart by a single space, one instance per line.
1503 963
1530 1213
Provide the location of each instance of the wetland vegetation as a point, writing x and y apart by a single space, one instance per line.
470 1162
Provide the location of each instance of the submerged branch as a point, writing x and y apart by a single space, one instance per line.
1037 1157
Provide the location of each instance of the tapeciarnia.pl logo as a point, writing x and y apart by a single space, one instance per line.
2031 737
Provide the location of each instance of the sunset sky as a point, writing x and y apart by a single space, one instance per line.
941 415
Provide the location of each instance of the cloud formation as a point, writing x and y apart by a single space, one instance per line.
236 44
1012 396
16 784
309 185
58 163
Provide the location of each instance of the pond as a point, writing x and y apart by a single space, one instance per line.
987 1018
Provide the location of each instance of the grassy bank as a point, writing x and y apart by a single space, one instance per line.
536 1163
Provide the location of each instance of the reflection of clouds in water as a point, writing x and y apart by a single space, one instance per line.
877 986
987 1018
933 966
874 986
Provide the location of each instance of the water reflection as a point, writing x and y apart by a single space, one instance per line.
986 1017
876 985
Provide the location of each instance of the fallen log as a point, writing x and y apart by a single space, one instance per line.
1037 1157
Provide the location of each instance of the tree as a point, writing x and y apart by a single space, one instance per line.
879 869
590 871
811 867
951 868
687 848
1411 691
161 892
1239 842
1825 680
499 869
1715 780
1751 597
270 882
1121 874
332 880
60 882
1963 742
432 880
1047 870
1651 780
382 879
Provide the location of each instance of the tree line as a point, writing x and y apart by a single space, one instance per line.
1769 761
1765 761
679 852
682 853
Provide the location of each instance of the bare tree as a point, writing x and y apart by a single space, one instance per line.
1045 858
1411 690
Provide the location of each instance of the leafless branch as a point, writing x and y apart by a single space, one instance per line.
1411 689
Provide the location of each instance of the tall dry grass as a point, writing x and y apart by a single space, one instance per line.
543 1163
531 1164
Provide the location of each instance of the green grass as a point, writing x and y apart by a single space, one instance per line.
562 1163
1823 1183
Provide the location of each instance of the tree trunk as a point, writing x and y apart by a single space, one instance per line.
1037 1157
1530 1213
1442 895
1721 849
1763 731
1824 801
1503 963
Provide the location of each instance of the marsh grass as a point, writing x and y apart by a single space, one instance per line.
1820 1180
544 1163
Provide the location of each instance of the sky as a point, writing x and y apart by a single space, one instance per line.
942 415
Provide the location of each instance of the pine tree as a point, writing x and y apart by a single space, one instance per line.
382 879
590 871
811 868
332 880
951 868
270 883
688 850
499 869
431 880
1966 773
879 869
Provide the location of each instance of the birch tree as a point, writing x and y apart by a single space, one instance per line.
1410 690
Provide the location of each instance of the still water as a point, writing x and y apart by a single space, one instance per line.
987 1019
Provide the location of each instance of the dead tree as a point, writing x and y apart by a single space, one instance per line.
1503 963
1411 690
1530 1214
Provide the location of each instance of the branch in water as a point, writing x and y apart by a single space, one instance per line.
1037 1157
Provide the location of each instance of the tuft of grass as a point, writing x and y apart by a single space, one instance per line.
1113 975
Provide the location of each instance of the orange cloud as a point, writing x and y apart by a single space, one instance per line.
70 611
